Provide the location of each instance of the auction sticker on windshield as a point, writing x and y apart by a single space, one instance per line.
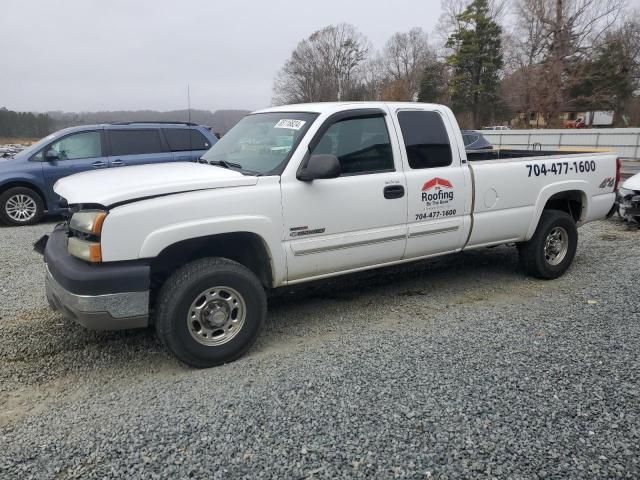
290 124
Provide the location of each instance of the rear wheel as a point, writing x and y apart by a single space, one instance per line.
210 312
550 251
21 206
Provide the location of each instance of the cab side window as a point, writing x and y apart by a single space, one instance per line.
425 139
78 146
361 144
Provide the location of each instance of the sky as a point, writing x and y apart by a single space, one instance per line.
92 55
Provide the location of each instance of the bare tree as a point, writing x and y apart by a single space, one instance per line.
449 20
608 78
324 67
372 78
404 58
554 34
525 49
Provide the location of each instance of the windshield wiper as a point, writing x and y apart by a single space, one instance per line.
231 165
224 164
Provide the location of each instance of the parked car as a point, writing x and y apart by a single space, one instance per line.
474 140
298 193
27 179
577 123
628 200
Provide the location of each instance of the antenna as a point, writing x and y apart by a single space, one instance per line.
189 117
188 103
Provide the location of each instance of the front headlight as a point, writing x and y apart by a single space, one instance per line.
84 241
85 250
88 221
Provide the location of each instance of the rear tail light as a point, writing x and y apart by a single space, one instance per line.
618 172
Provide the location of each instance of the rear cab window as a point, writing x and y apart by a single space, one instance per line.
185 139
425 138
135 141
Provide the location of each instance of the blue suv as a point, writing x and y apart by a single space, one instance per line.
27 180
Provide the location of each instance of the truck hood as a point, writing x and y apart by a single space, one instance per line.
123 184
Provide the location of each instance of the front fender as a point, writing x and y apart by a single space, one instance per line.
169 235
145 228
29 180
166 236
24 178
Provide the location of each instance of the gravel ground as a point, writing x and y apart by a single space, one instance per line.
456 368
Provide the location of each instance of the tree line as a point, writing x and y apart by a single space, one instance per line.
37 125
24 124
491 61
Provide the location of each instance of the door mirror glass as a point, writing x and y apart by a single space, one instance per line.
51 155
319 167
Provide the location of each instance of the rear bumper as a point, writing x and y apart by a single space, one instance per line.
98 297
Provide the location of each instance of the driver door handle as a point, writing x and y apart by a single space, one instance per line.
99 164
117 163
393 191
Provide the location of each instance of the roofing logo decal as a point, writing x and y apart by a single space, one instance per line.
437 191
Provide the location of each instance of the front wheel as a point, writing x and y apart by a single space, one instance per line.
210 312
550 251
21 206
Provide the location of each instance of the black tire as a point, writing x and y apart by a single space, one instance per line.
532 253
184 287
21 192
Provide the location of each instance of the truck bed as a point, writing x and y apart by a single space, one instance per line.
505 153
511 187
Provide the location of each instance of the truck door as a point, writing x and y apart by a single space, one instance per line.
438 184
357 219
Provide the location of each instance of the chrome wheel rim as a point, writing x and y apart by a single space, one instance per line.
216 316
556 246
21 208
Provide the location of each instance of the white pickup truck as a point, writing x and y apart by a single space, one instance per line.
299 193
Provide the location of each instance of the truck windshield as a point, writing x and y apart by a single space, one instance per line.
262 142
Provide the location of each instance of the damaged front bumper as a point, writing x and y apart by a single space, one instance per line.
628 204
98 297
116 311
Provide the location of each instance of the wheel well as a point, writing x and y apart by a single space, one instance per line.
571 202
31 186
246 248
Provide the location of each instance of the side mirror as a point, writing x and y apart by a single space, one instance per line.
51 155
319 167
